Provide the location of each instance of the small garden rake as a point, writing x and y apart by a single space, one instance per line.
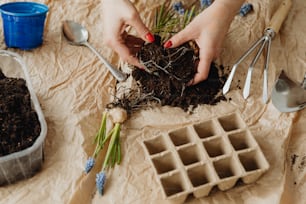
264 42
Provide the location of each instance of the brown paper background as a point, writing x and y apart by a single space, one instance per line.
73 88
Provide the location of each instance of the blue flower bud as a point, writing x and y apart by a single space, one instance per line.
181 11
100 181
89 164
177 6
205 3
245 9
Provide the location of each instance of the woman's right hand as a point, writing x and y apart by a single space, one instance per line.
208 30
117 15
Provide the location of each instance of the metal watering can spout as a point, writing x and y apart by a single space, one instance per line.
287 95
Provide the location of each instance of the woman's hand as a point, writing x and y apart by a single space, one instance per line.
117 15
208 29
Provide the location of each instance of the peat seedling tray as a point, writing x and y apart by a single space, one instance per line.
214 153
24 163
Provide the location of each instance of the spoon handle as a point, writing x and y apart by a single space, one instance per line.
115 72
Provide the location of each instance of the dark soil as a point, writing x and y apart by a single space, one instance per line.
165 89
166 77
20 126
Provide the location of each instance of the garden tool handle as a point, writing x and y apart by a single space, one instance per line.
280 15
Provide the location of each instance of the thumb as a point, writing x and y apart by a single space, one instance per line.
142 30
202 69
178 39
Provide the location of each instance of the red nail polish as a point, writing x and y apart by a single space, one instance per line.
168 44
150 37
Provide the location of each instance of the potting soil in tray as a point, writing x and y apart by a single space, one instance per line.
20 126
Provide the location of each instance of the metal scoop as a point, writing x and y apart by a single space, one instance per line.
287 95
78 35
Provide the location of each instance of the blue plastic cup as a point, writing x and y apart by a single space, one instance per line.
23 24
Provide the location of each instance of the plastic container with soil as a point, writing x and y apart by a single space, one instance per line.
26 162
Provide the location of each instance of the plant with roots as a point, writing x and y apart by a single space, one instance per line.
116 113
113 154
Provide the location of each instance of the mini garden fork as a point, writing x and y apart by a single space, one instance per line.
263 42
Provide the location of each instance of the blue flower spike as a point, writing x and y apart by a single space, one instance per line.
100 181
89 164
178 7
181 11
245 9
205 3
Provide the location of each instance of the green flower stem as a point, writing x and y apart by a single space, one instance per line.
118 152
101 135
111 155
108 136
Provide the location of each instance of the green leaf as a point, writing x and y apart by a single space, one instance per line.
119 152
165 20
101 134
102 130
110 157
108 136
168 22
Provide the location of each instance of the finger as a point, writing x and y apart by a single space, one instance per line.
202 70
134 61
134 43
132 40
126 55
179 38
142 29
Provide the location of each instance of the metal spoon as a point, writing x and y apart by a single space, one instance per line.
78 35
287 95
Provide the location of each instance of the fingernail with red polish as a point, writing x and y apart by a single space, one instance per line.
150 37
168 44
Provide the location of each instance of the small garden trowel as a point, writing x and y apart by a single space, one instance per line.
287 95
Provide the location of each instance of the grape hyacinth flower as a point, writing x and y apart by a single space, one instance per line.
245 9
100 181
181 11
178 7
99 140
205 3
112 157
89 164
